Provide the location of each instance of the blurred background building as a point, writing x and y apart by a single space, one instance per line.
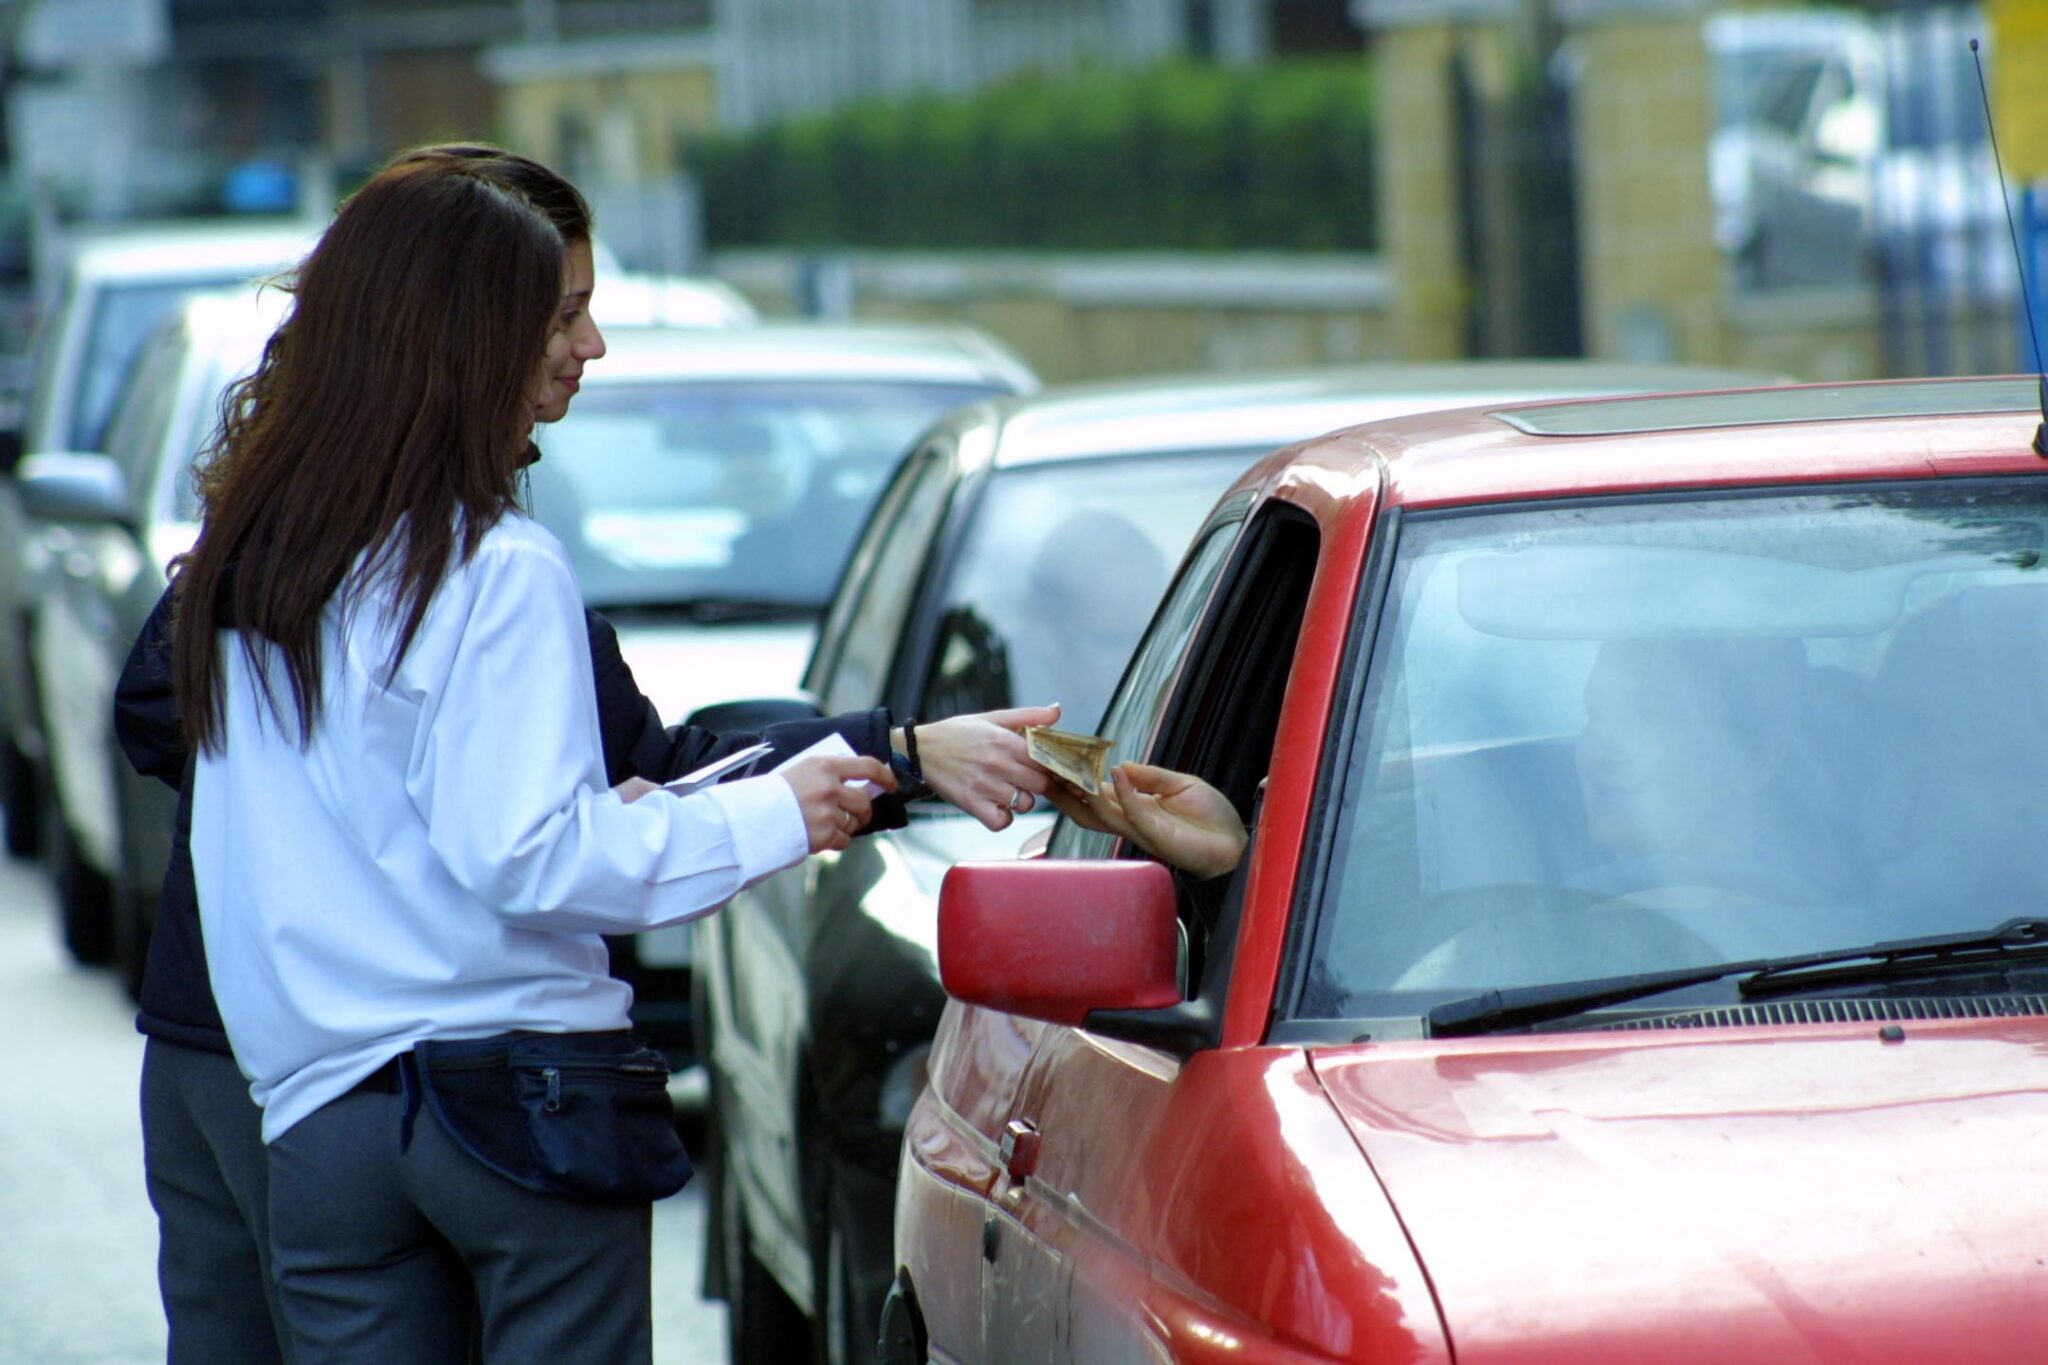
1122 185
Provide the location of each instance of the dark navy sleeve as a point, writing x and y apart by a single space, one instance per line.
146 721
625 718
637 744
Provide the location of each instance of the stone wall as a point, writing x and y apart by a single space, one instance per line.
1652 276
1100 316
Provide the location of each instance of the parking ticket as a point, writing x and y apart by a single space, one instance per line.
711 772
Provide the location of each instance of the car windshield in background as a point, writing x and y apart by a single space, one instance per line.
1059 574
1622 737
724 494
121 322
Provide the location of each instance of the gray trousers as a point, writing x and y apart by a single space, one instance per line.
376 1251
203 1160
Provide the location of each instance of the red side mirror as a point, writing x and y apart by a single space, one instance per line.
1055 940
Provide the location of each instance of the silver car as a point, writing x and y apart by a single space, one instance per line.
112 290
708 487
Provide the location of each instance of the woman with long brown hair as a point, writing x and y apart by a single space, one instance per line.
403 841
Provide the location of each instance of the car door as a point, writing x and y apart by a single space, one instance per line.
1111 1121
753 951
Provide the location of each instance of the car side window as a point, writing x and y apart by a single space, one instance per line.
137 428
1135 707
881 579
1225 711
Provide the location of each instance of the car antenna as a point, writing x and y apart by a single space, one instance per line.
2019 256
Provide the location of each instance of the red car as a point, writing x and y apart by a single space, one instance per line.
1641 951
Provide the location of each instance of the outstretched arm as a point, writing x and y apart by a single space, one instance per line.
978 761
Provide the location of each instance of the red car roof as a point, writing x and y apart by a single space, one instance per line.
1799 433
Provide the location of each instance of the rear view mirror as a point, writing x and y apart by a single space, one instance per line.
752 715
74 487
1059 940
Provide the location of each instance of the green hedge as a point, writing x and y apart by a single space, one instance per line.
1276 157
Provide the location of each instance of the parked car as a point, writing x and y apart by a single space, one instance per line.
611 475
118 518
1015 559
1848 149
708 486
116 287
1633 956
631 299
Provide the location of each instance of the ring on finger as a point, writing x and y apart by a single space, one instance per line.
1017 800
849 819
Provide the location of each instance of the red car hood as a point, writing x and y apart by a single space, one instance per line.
1763 1195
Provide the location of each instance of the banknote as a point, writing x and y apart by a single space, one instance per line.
1080 760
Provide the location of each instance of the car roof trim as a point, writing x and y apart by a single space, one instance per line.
1775 407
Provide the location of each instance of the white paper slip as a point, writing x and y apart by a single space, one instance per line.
833 745
711 772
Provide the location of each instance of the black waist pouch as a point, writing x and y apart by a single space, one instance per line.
585 1115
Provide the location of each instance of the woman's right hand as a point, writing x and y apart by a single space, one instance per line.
833 810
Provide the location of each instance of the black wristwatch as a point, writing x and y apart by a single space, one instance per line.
910 783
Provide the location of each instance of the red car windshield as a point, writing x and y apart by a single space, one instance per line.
1631 736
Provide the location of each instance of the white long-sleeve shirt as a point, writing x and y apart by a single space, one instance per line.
440 860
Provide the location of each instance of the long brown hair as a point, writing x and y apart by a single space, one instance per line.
385 422
554 196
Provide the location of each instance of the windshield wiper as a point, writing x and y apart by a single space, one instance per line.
1517 1006
1881 960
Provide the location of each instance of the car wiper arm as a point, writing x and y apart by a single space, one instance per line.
1518 1006
1880 959
1492 1011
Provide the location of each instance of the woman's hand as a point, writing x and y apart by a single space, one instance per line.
833 810
633 788
978 763
1176 817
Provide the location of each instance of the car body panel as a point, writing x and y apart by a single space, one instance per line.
1163 1219
1773 1179
1785 1192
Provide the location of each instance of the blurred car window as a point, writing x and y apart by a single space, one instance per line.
898 540
1128 722
738 492
136 427
1059 573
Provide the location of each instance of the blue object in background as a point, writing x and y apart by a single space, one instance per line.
261 185
2031 205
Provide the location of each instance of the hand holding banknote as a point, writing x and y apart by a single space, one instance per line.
1080 761
1176 817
